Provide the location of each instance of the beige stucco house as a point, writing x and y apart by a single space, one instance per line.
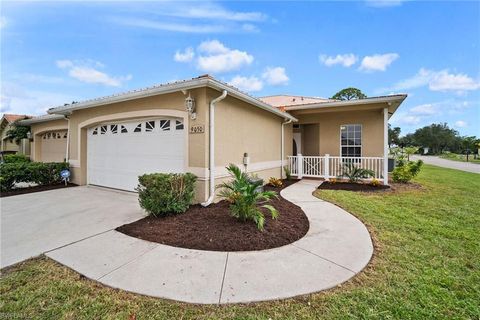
200 126
9 145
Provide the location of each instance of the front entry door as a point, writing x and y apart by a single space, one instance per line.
297 143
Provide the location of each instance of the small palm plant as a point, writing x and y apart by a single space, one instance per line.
245 198
355 173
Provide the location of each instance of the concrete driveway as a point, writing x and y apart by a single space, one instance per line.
36 223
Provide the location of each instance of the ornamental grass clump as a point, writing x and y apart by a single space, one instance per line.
166 193
275 182
245 197
355 173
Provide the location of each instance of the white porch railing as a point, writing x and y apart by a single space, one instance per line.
332 167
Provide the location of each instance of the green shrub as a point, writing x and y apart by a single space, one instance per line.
288 173
245 197
407 171
355 173
163 193
14 158
36 172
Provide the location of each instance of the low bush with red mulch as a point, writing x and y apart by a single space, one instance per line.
351 186
213 228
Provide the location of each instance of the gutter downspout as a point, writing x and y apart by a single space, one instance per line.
211 131
67 153
283 145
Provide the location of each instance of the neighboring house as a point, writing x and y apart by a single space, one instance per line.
112 140
9 145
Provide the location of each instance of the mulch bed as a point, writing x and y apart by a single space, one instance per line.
26 190
349 186
213 228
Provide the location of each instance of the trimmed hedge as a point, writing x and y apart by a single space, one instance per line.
36 172
163 193
15 158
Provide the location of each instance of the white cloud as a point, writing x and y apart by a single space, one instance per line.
275 76
37 78
216 12
378 62
249 84
441 80
383 3
403 118
84 72
346 60
444 81
185 56
170 26
20 100
3 22
461 124
212 47
64 64
248 27
425 109
220 59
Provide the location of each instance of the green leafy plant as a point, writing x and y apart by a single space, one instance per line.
245 198
406 171
14 158
355 173
18 133
165 193
30 172
275 182
288 173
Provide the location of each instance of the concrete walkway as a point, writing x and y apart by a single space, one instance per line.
336 247
445 163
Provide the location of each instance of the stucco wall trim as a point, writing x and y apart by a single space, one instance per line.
221 172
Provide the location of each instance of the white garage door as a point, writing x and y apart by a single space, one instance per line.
117 153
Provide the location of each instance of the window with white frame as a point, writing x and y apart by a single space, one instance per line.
351 140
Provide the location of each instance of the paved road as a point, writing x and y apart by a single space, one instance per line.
336 247
436 161
34 223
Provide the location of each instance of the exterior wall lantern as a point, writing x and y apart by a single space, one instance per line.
190 106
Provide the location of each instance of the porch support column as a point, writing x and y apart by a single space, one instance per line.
385 146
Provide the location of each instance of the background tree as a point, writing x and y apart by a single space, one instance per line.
393 136
349 94
437 137
17 133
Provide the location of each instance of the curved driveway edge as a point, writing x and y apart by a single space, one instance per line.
336 247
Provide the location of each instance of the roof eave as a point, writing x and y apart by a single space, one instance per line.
50 117
170 88
393 101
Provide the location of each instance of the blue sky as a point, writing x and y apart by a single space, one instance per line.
57 52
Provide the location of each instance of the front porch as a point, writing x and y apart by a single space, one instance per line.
324 140
332 166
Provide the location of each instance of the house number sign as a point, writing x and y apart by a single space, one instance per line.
197 128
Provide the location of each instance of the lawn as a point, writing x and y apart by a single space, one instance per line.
426 266
460 157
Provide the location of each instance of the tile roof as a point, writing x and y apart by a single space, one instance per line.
14 117
291 100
